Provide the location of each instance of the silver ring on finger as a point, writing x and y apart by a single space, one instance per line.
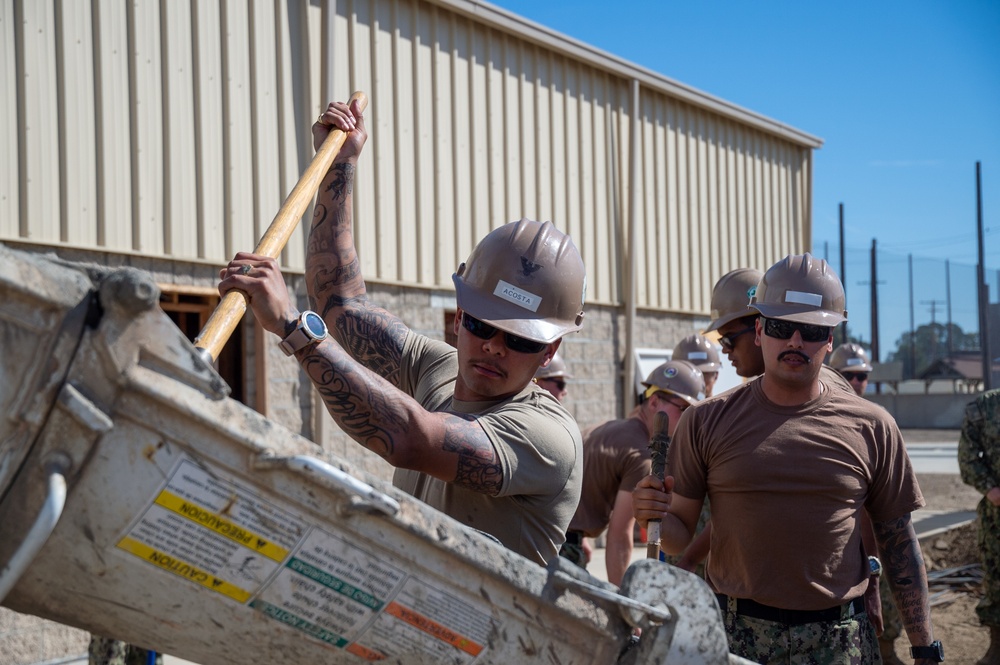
246 269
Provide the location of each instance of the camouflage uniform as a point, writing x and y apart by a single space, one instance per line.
674 559
846 642
574 553
979 461
108 651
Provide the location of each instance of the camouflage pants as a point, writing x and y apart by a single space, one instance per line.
703 518
574 553
988 609
107 651
847 642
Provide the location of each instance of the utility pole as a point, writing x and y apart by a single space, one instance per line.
984 302
913 331
843 272
874 286
933 304
947 288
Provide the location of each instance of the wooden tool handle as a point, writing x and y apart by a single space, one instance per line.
233 306
659 444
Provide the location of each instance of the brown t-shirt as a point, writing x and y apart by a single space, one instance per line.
787 485
615 457
536 441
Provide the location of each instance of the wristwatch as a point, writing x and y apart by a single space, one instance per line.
933 652
310 329
874 566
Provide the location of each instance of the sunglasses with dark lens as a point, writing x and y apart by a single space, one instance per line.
729 341
857 376
514 343
558 383
779 329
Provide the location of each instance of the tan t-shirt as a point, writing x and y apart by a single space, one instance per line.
787 485
536 440
615 457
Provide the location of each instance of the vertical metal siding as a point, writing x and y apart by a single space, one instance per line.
176 129
9 143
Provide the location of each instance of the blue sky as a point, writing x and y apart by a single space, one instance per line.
905 95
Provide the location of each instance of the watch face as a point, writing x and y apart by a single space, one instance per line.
313 322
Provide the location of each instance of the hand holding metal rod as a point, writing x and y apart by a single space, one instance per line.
659 444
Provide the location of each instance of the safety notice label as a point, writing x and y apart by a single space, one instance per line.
213 532
340 594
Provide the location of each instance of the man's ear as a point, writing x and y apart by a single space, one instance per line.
457 323
551 352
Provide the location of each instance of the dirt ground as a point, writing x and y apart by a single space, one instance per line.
952 605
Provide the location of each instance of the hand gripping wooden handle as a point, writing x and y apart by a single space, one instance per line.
659 444
227 315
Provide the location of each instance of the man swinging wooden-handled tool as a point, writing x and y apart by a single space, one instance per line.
466 429
227 315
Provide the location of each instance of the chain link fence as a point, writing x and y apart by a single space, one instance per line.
920 314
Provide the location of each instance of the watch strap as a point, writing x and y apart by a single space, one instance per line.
934 651
300 337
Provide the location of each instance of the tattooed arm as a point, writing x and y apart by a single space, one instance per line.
372 336
903 565
373 412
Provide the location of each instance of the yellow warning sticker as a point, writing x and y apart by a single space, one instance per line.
220 525
183 569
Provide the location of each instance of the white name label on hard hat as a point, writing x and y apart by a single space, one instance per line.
855 361
517 296
802 298
698 355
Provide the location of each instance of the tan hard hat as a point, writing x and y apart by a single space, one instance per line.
525 278
556 369
731 295
850 357
803 289
678 377
698 351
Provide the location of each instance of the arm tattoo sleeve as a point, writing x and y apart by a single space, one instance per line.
907 577
478 467
362 409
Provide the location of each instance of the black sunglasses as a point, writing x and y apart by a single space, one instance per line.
729 341
857 376
559 383
514 343
779 329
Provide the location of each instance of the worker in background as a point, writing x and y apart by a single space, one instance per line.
467 430
788 463
979 463
700 352
616 456
851 362
552 377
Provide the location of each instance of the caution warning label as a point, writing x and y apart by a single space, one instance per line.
213 532
343 595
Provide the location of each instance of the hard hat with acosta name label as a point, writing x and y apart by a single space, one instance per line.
850 357
731 296
698 351
556 369
803 289
677 377
526 278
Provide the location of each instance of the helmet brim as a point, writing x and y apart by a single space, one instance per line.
799 314
509 317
